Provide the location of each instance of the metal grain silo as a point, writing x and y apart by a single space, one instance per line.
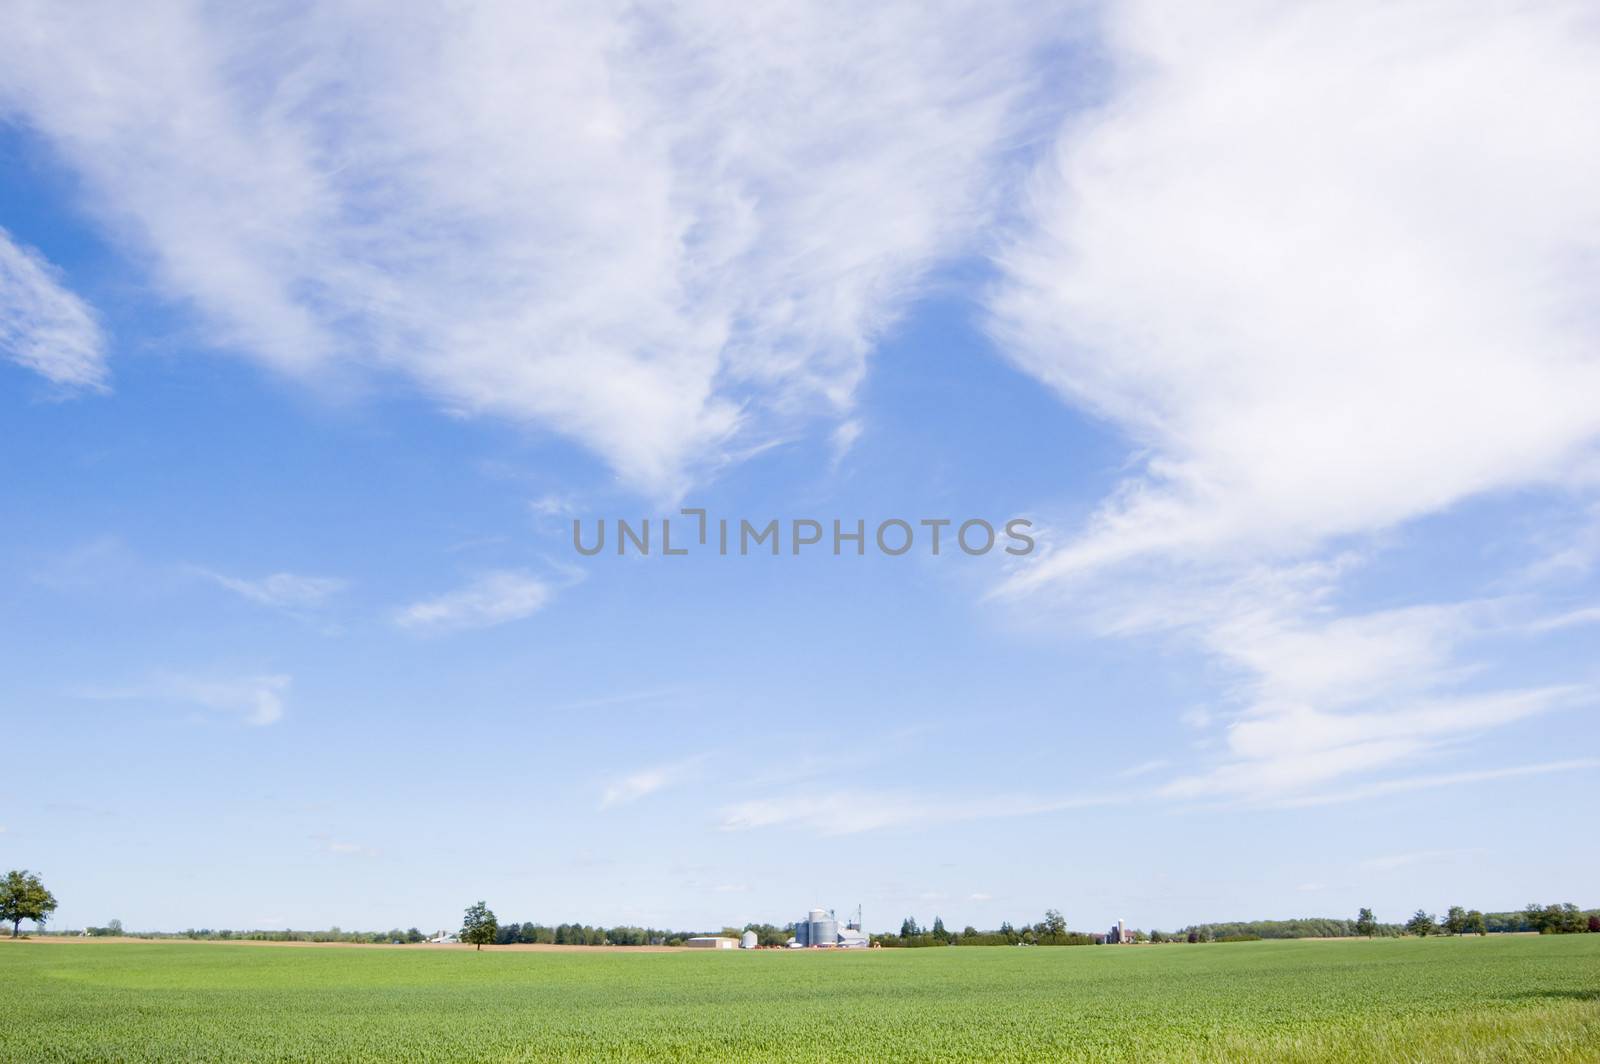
824 930
748 940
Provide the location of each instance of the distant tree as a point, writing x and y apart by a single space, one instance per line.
1594 923
1365 923
1054 923
940 934
1476 924
1158 936
23 897
114 927
1421 924
1455 921
479 926
413 935
1554 919
969 932
908 928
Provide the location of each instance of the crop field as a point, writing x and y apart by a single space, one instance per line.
1496 999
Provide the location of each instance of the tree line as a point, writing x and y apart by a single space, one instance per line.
480 927
24 897
1050 931
1562 918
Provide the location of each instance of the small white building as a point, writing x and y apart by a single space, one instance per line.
711 942
748 940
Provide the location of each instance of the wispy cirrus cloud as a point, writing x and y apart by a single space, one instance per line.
645 782
494 598
1390 862
1429 781
1144 768
1570 619
44 326
1266 259
253 699
661 232
850 812
289 591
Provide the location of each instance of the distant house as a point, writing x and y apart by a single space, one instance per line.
711 942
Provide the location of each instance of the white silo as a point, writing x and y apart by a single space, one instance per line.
824 929
748 940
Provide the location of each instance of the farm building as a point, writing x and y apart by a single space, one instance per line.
820 930
711 942
749 940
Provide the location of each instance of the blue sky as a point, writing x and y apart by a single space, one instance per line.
318 330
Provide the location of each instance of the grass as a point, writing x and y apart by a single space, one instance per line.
1496 999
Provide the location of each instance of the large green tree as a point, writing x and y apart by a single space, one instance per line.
479 925
1421 924
23 897
1365 923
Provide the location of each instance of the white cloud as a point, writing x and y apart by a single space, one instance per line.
1570 619
494 598
257 700
1390 862
1320 697
551 505
648 781
43 326
1144 768
1329 278
651 229
1445 779
844 437
280 590
850 812
1326 271
351 849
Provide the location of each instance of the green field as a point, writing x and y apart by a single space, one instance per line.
1496 999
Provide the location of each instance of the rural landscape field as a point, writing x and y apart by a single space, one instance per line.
970 530
1470 999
